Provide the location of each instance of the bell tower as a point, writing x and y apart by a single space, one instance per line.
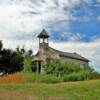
43 38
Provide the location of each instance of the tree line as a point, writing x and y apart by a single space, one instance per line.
12 60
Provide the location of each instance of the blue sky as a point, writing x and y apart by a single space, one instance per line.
86 22
88 30
73 25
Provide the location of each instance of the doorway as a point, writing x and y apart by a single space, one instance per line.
39 67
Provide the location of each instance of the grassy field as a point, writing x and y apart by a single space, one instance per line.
86 90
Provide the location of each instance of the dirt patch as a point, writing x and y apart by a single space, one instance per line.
12 78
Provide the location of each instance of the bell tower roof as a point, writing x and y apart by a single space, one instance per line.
43 34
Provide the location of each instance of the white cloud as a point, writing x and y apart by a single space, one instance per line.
20 16
98 1
98 18
73 36
23 17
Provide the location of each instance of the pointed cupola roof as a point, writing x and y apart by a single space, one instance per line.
43 34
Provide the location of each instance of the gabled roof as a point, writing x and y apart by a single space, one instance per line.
43 34
71 55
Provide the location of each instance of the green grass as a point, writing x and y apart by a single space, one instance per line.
86 90
40 78
29 76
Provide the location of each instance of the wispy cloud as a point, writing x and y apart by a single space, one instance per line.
22 20
98 18
25 16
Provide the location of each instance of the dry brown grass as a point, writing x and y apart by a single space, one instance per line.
12 78
17 95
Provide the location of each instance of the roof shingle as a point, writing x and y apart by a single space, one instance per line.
71 55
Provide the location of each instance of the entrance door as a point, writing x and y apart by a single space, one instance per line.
39 67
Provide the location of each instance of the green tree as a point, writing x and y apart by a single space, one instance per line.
11 61
22 50
18 49
1 45
30 52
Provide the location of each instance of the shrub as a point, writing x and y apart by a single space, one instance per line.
70 77
75 76
27 63
59 68
53 66
50 79
46 78
40 78
82 75
95 75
